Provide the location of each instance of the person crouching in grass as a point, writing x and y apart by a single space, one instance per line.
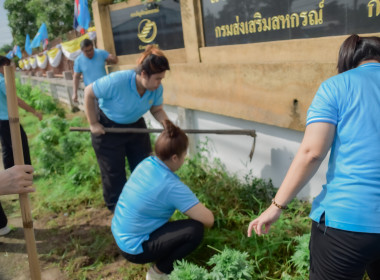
141 225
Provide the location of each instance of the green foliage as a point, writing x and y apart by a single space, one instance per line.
301 257
184 270
61 157
5 49
39 100
231 264
235 202
21 20
227 265
26 16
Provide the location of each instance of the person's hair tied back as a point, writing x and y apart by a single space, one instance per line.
152 61
172 141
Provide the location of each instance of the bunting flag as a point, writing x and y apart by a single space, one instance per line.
55 56
72 49
33 62
84 17
10 54
42 61
17 51
21 64
26 64
28 47
91 33
41 36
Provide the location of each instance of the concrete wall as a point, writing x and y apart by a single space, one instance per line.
275 147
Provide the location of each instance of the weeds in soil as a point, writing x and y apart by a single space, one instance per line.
68 181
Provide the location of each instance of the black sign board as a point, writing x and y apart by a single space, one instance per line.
136 27
229 22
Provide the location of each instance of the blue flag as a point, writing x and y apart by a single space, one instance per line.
84 14
9 55
41 36
17 51
28 47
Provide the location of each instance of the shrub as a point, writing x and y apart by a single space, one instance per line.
184 270
39 100
301 257
231 264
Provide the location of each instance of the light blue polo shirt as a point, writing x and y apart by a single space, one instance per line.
119 100
351 196
92 69
148 200
3 99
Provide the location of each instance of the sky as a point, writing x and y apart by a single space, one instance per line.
5 31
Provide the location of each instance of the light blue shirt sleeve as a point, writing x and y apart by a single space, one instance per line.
181 197
104 54
104 87
324 107
77 66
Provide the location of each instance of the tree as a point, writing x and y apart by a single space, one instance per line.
26 16
21 21
57 14
5 49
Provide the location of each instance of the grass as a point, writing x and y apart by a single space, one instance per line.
69 199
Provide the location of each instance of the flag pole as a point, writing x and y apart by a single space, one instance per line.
14 123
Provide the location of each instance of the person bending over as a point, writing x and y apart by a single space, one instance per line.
124 97
141 225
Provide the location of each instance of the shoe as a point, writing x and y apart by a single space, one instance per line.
5 230
153 275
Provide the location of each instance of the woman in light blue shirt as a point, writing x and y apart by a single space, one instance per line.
141 224
344 116
124 97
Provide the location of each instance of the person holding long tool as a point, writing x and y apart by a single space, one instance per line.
141 225
344 116
16 180
5 134
124 97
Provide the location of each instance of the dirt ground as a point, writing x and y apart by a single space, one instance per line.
14 263
50 241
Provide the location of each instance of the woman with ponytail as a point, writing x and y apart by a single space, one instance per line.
344 116
124 97
153 192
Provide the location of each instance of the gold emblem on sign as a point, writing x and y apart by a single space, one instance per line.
147 31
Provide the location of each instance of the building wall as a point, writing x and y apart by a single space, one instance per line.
264 86
269 82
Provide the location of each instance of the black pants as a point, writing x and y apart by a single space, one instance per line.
343 255
111 150
173 241
8 161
